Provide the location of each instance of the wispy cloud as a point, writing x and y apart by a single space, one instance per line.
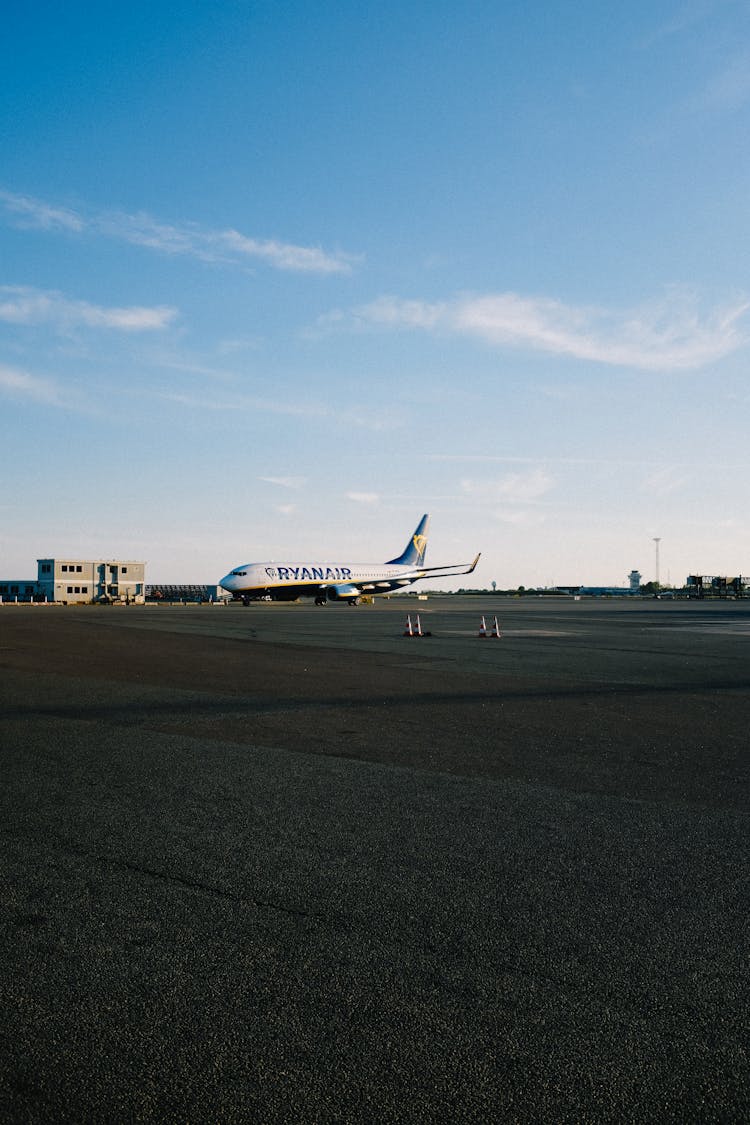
666 480
562 393
24 305
364 418
514 488
30 212
660 473
668 334
188 366
516 498
519 517
283 255
684 18
15 383
286 482
190 239
363 497
232 403
729 89
238 344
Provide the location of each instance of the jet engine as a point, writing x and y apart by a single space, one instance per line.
343 592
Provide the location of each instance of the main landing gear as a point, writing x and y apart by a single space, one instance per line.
322 599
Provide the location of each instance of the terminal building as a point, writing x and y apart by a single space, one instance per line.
713 586
633 588
78 581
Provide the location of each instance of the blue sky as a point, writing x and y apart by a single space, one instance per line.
276 279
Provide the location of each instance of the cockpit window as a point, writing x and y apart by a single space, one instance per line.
239 573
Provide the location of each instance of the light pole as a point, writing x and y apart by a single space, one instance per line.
657 541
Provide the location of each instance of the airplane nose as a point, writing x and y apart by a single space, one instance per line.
227 582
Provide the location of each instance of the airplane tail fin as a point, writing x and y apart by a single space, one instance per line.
416 549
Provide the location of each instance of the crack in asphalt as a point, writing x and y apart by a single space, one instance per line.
219 892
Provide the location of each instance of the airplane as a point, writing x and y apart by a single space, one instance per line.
334 582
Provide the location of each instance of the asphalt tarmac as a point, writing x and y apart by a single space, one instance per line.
282 863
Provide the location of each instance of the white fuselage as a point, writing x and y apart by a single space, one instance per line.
285 581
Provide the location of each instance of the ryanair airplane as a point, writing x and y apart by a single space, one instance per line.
332 582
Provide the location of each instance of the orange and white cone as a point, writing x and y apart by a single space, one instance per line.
496 629
418 628
409 630
483 628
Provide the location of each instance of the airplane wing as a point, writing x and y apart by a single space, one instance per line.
444 571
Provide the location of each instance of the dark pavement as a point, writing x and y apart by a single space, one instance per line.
280 863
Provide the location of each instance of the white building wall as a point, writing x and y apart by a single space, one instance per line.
79 581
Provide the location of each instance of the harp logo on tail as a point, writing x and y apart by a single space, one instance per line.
420 545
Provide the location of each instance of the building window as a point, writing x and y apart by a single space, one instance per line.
124 570
46 568
64 566
70 589
3 589
84 589
79 569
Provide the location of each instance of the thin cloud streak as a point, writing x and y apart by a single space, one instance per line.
285 482
284 256
685 18
616 462
666 480
243 403
729 89
24 305
667 335
363 497
364 419
519 518
518 499
515 488
15 383
189 239
35 213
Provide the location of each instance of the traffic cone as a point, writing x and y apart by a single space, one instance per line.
408 631
496 630
483 628
418 630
